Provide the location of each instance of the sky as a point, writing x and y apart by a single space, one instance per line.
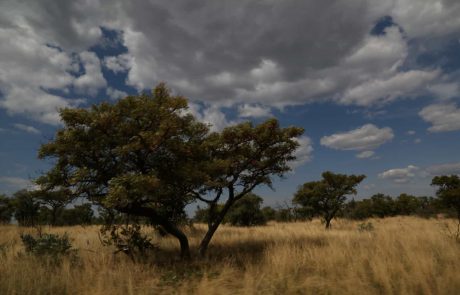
374 83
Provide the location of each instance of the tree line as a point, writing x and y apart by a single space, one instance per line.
147 157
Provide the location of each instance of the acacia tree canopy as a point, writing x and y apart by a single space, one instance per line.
146 156
327 196
141 156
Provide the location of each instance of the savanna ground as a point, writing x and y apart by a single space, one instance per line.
401 255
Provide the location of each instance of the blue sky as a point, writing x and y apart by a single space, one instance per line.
375 84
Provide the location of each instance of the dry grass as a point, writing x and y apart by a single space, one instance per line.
400 256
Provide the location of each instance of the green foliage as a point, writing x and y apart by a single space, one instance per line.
449 195
146 156
6 209
127 239
47 245
26 208
327 196
247 212
78 215
381 206
448 191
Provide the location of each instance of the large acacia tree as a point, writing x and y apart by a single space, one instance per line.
146 156
327 197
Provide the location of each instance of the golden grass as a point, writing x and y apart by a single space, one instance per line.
403 255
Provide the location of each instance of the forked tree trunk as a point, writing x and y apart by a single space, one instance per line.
212 227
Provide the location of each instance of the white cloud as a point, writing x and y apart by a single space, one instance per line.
445 90
303 153
411 132
15 183
211 115
92 80
367 137
417 140
404 84
375 53
119 63
444 169
365 154
254 111
268 71
115 93
443 117
427 18
400 175
26 128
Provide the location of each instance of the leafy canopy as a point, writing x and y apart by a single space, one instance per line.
327 196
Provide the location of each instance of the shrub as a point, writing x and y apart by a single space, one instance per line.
51 245
127 239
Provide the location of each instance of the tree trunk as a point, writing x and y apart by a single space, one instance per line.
328 223
165 223
183 241
212 227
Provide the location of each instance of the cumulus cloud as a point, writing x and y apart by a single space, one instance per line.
92 80
400 175
254 111
211 115
445 91
119 63
443 117
26 128
411 172
242 56
365 154
366 138
303 153
444 169
115 93
404 84
427 18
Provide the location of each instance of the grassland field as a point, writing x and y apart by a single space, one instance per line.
400 255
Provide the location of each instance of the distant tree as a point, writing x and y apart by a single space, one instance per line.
246 211
327 196
406 204
6 209
269 213
449 194
382 206
428 207
53 201
26 208
359 210
78 215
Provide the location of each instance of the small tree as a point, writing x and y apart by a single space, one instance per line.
242 157
26 208
6 209
55 201
327 196
449 194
